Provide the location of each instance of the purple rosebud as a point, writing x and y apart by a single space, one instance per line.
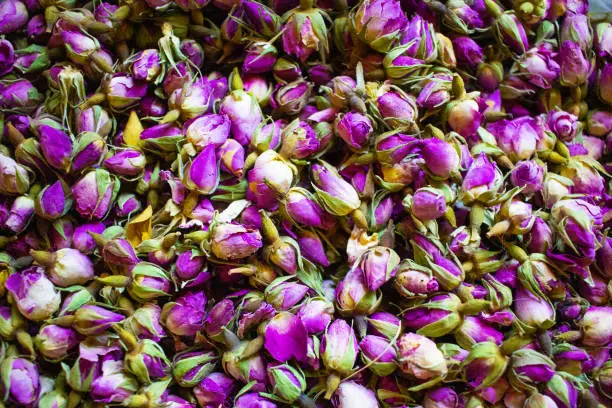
304 209
563 124
437 317
379 354
113 387
232 157
576 27
144 323
468 52
146 65
190 367
286 338
33 294
464 117
435 93
379 265
419 357
253 400
443 397
562 392
316 315
440 157
299 140
540 237
185 316
56 146
126 162
214 390
312 248
94 194
123 91
260 57
55 342
354 128
20 377
351 394
531 309
336 195
188 265
13 16
193 51
529 175
397 108
88 151
265 21
36 27
52 202
304 33
218 316
595 328
20 214
95 119
339 347
7 57
290 99
152 106
90 320
475 330
283 294
19 94
379 22
428 204
208 129
65 267
244 113
235 241
574 65
540 66
482 176
604 82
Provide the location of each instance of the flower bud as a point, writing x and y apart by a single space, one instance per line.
20 94
484 365
202 173
378 354
13 16
316 315
33 294
253 399
148 282
595 328
283 294
299 141
208 129
235 241
244 113
55 342
353 296
90 320
437 317
185 316
213 390
304 33
443 397
539 401
301 206
287 382
20 377
378 23
65 267
419 357
379 265
351 394
291 98
398 109
146 65
144 322
339 347
56 146
574 65
265 21
94 194
562 392
191 367
126 163
20 214
123 91
113 387
528 367
354 128
336 195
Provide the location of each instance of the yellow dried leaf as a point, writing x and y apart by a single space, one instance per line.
139 228
132 131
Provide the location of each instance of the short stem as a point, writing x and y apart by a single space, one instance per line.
333 381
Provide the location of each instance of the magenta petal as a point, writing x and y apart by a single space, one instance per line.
286 338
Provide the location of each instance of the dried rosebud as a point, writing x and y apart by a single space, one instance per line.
353 296
562 392
260 57
574 65
398 108
19 94
596 332
378 23
304 33
146 65
191 367
202 173
20 377
299 140
419 357
484 365
339 347
20 214
351 394
127 162
148 282
354 128
336 195
65 267
34 294
443 397
94 194
95 119
302 208
316 315
437 317
244 113
92 320
378 353
144 322
55 342
468 52
123 91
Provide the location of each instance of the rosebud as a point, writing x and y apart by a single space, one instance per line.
287 382
302 208
13 16
419 357
113 387
191 367
354 128
20 214
484 365
351 394
148 282
437 317
185 316
475 330
562 392
483 178
283 294
468 52
378 23
94 194
532 309
336 195
88 151
253 399
604 82
378 354
464 117
122 91
144 322
574 65
265 21
19 94
443 397
304 33
595 328
313 249
56 146
90 320
146 65
55 342
33 294
208 129
339 347
398 108
214 390
528 367
299 140
20 377
379 265
353 296
65 267
126 162
235 241
164 137
271 176
291 98
316 315
202 173
244 113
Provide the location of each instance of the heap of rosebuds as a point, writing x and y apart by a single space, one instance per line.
226 203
